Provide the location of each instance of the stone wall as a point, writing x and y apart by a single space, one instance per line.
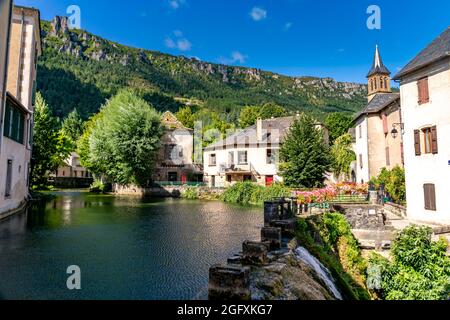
165 191
368 217
76 183
395 209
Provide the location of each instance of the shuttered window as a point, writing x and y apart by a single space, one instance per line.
430 196
417 142
14 123
422 88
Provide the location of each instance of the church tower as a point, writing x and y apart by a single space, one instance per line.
379 77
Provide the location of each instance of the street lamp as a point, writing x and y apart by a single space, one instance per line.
394 132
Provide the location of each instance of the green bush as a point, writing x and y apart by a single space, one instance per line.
190 193
97 187
250 193
420 269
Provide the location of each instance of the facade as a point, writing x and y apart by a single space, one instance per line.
5 25
374 145
248 155
425 94
15 156
175 160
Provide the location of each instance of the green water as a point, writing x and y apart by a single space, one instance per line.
126 248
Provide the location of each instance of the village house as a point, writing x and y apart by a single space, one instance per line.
425 94
249 155
175 161
71 174
374 144
15 154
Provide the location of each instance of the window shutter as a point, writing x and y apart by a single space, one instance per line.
417 142
388 157
361 161
430 196
434 140
424 96
385 123
402 151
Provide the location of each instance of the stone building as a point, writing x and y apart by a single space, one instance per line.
425 93
374 144
15 154
71 174
175 162
249 155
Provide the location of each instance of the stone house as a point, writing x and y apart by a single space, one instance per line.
249 155
374 144
15 154
425 94
175 160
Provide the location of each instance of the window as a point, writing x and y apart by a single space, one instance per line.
229 179
14 123
242 157
385 123
371 85
430 196
360 132
427 140
248 178
386 83
172 177
9 171
212 160
361 161
381 83
231 158
271 156
423 91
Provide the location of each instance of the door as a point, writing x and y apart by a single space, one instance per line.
183 179
213 181
269 181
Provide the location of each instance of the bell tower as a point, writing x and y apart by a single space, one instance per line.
379 77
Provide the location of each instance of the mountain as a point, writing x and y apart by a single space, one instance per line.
81 70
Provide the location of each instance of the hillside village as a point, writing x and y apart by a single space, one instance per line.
391 132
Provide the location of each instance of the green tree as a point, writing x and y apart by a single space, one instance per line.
270 110
186 117
123 141
338 124
72 127
305 158
393 182
342 156
248 116
50 146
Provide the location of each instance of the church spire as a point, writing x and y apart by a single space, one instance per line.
379 80
378 67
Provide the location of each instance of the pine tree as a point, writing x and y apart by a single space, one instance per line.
304 155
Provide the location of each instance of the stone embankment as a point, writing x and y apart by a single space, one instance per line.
273 268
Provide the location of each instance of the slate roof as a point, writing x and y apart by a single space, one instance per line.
378 103
378 66
278 128
437 50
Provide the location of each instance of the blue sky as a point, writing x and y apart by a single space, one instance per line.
292 37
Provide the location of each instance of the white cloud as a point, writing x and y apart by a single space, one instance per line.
287 26
258 14
178 42
236 57
176 4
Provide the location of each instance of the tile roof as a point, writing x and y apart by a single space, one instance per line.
438 49
378 103
278 128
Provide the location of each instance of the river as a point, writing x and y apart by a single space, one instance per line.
126 248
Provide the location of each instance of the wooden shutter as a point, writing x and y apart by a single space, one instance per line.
417 142
385 123
430 196
434 140
423 90
388 157
402 151
361 161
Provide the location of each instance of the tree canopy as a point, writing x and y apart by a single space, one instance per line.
338 124
122 141
304 155
342 156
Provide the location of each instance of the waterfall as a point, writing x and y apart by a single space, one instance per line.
323 273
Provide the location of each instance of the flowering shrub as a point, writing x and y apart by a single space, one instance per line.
330 193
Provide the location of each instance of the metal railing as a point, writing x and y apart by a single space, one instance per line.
179 184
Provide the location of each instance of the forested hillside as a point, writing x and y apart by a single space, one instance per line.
80 70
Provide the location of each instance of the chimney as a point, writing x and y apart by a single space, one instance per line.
259 130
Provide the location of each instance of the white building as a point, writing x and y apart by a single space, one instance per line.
425 96
248 155
15 153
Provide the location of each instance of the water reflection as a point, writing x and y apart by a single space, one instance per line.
127 248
